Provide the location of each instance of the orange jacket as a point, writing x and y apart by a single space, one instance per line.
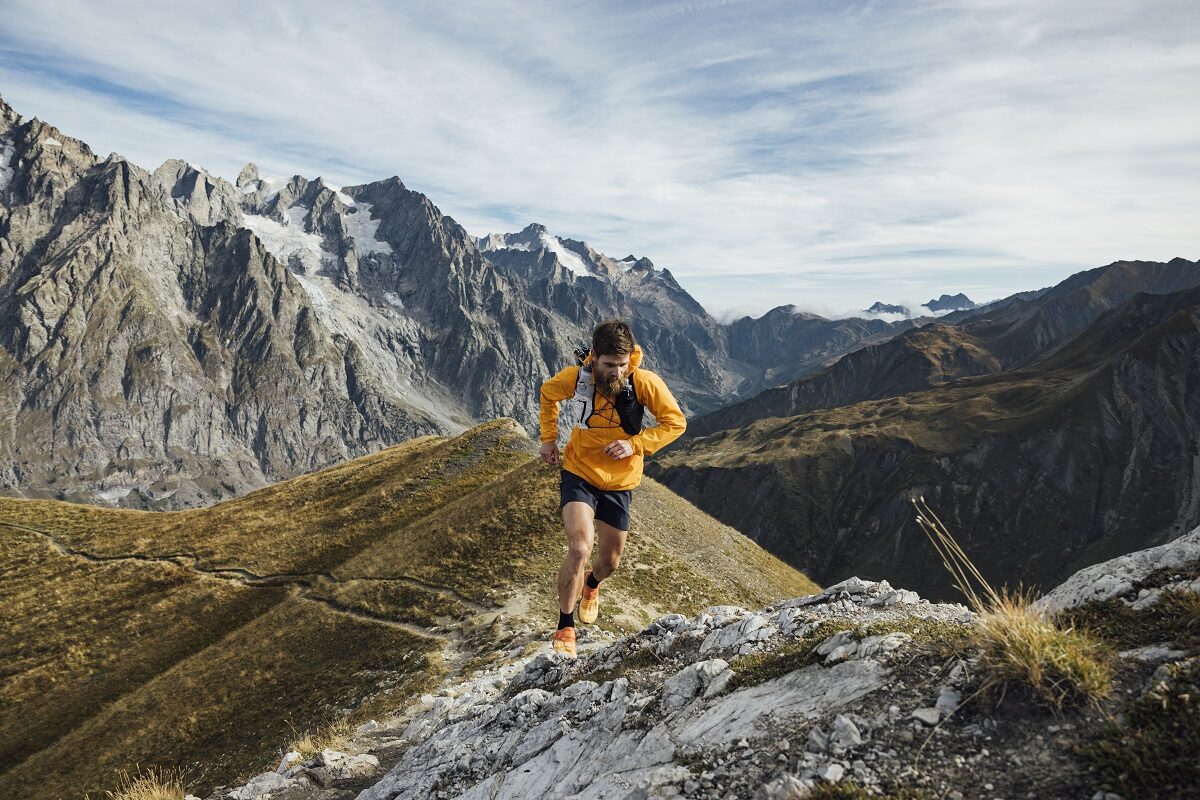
584 455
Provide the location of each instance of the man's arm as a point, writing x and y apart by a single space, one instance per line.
555 390
655 395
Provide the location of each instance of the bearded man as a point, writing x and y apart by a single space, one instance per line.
602 462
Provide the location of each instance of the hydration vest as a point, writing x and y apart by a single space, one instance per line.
630 411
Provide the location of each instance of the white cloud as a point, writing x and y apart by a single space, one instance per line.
765 153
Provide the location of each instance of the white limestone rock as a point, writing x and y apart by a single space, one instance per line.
929 716
948 700
357 766
895 597
1116 577
807 693
832 772
845 732
844 646
693 680
754 628
787 787
1153 654
289 760
261 786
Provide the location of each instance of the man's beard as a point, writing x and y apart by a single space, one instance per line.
609 387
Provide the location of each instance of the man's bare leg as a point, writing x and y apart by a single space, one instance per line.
578 520
608 555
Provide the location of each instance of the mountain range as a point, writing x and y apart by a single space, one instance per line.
1053 433
169 339
941 305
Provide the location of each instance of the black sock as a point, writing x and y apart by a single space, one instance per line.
566 620
591 581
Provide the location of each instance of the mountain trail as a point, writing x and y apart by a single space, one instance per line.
304 584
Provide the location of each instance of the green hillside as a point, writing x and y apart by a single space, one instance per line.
206 639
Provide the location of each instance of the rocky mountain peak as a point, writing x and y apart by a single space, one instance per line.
206 198
8 116
887 308
947 302
248 176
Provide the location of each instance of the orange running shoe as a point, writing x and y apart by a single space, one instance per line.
589 603
563 641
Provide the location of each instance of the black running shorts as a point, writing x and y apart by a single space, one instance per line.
610 507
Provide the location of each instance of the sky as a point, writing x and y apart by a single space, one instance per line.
820 154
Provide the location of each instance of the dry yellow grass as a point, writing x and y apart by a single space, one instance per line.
153 784
1021 643
333 736
1018 642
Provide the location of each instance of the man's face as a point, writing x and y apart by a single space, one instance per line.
609 373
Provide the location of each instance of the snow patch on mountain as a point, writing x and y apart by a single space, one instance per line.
286 241
52 142
387 344
489 246
568 259
317 295
6 171
337 190
364 230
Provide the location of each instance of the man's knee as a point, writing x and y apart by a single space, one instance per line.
578 550
609 562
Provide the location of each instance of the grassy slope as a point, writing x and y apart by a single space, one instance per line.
111 663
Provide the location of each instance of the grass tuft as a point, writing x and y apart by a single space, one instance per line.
1020 644
334 735
153 784
1024 645
757 668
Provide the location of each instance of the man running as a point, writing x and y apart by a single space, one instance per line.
602 462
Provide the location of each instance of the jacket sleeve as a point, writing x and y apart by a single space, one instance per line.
655 395
555 390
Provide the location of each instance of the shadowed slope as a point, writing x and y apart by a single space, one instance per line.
1087 454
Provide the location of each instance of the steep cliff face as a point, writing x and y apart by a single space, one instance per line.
152 357
1090 452
998 337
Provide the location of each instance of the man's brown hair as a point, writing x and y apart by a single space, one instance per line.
613 337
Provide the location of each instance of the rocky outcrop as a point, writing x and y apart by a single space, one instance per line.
861 684
1121 577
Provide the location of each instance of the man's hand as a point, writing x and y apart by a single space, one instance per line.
549 452
621 448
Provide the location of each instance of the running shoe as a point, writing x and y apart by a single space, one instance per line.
589 603
563 641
